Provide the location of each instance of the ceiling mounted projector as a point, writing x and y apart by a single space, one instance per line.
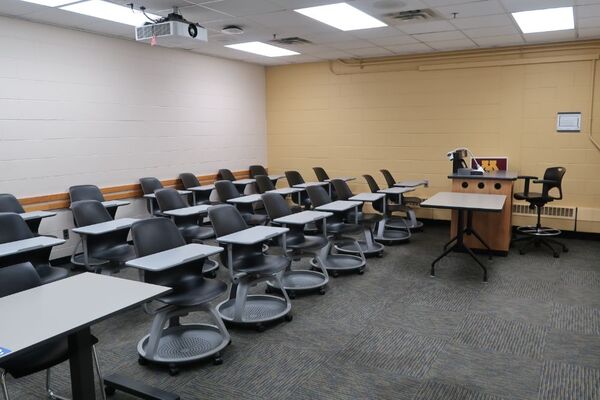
172 31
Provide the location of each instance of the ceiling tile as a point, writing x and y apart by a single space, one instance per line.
593 22
503 40
588 11
385 31
156 5
526 5
493 31
425 27
485 21
393 40
331 54
458 44
371 52
290 21
589 33
440 3
431 37
550 36
409 48
351 44
242 8
387 6
467 10
202 15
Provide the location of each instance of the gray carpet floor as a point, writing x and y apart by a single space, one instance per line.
532 332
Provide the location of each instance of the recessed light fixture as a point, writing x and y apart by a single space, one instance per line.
548 20
50 3
262 49
111 12
342 16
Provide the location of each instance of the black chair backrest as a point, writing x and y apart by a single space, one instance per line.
226 219
263 183
169 199
85 192
17 278
13 228
318 195
389 179
189 180
226 190
293 178
9 203
256 170
342 189
154 235
275 205
321 174
373 186
225 174
150 184
89 212
555 175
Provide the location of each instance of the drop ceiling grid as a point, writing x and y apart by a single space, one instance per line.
479 24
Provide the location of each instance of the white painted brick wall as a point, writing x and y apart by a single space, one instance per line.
81 108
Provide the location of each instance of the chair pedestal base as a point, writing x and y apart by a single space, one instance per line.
258 309
300 281
335 263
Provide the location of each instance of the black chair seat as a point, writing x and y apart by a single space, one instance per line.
255 219
196 232
528 196
50 274
194 291
260 264
39 358
343 228
119 253
365 218
305 242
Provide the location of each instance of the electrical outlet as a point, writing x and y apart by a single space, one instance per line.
65 234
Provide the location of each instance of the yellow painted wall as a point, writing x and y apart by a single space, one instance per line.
405 115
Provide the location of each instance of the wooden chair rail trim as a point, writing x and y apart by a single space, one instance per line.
120 192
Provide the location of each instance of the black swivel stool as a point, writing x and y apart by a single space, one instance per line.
166 260
537 234
225 174
248 266
401 201
336 229
264 184
190 226
300 245
10 204
13 228
227 191
294 178
15 279
384 234
149 186
369 247
111 246
191 182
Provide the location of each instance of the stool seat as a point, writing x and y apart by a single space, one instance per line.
343 228
119 253
193 291
50 274
260 264
365 218
196 232
254 219
305 242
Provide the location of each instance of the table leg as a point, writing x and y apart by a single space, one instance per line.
86 256
81 365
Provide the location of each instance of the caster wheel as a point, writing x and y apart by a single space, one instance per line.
211 275
268 290
289 317
173 370
142 361
217 360
109 390
556 255
361 271
379 255
230 341
260 328
335 274
521 252
565 250
322 291
291 294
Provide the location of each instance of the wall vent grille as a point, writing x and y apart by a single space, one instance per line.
548 211
291 40
411 15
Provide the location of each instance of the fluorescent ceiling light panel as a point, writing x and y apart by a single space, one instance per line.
548 20
50 3
262 49
342 16
111 12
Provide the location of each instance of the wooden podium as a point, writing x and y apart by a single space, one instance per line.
494 228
